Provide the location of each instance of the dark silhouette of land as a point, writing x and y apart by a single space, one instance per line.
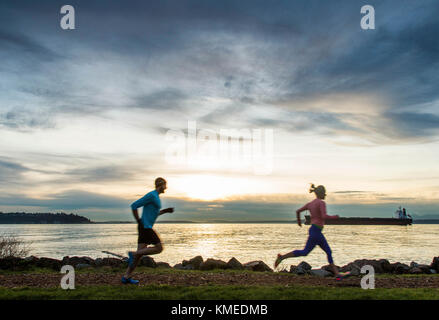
64 218
41 218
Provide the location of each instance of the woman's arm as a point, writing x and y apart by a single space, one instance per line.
298 211
324 214
299 222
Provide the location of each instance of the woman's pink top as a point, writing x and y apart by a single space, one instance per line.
317 208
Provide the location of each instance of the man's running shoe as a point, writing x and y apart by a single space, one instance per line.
130 259
129 281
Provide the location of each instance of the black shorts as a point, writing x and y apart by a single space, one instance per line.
147 236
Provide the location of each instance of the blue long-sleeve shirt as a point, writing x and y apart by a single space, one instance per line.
151 208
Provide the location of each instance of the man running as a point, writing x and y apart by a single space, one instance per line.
147 236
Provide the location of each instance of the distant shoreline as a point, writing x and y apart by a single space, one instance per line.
427 221
63 218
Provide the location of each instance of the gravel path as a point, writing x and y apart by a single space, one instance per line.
53 280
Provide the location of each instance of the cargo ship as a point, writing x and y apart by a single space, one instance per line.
365 221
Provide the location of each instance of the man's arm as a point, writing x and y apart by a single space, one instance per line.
136 215
167 210
139 203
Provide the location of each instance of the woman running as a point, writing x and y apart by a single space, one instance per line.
317 208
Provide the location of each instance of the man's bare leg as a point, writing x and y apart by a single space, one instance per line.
131 268
149 251
142 250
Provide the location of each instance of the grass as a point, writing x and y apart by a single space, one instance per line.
211 292
215 292
118 270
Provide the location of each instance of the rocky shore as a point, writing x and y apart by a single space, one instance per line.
380 266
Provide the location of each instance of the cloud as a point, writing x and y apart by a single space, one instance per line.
414 124
10 171
168 98
25 47
168 54
349 191
68 200
293 66
106 173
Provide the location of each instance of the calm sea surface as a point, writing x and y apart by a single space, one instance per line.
246 242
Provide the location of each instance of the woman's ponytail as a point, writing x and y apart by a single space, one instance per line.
320 191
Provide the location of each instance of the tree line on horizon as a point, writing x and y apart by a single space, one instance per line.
41 218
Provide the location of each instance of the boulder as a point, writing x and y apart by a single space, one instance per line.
211 264
149 262
179 266
385 265
423 267
9 263
321 273
400 268
49 263
435 264
99 262
235 264
163 265
257 266
353 268
379 266
376 264
303 268
32 260
355 271
112 262
83 266
329 269
194 262
74 261
415 270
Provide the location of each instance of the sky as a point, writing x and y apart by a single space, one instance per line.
238 104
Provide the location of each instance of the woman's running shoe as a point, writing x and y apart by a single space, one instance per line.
342 275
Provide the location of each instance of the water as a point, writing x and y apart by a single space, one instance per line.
246 242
